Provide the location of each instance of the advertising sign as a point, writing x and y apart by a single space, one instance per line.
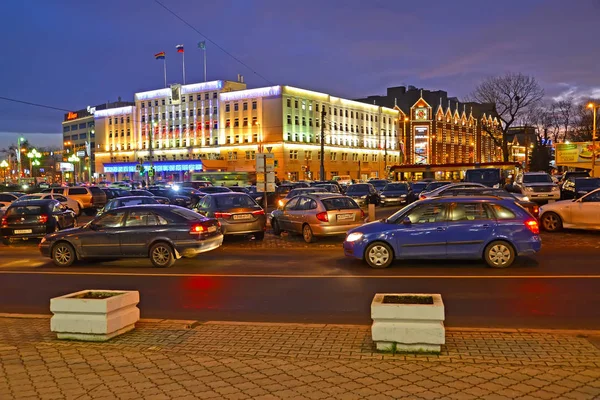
64 167
576 153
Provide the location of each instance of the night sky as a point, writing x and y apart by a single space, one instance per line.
71 54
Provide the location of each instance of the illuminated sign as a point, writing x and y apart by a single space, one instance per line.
64 166
72 115
91 110
153 94
169 166
251 93
111 112
421 113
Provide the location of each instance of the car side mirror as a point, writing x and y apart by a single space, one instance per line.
406 221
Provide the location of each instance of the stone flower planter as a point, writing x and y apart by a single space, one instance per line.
401 323
94 315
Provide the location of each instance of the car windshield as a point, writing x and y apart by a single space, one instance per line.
234 201
141 193
537 178
396 187
125 202
339 203
481 176
419 186
24 210
435 185
215 189
378 184
354 189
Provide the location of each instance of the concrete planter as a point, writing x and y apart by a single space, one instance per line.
408 327
94 319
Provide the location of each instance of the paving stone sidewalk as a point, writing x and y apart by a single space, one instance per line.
164 359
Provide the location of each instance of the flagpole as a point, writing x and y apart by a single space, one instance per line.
165 68
183 55
204 63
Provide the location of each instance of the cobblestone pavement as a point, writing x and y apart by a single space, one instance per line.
190 359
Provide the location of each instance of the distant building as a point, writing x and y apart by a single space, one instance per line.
521 141
437 129
78 129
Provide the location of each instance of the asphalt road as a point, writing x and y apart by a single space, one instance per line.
559 288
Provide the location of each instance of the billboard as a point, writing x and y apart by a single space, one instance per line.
576 153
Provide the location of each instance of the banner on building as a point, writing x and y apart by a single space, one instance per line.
575 153
176 94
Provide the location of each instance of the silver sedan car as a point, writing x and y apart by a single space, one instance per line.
317 214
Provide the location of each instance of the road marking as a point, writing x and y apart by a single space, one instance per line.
179 275
27 263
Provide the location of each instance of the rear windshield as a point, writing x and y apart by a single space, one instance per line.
339 203
417 187
358 189
234 201
480 176
24 210
124 202
96 190
537 179
186 214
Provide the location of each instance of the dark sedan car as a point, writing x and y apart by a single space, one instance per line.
395 194
113 193
127 202
363 194
142 192
160 232
379 184
238 213
174 197
415 190
577 187
32 219
214 189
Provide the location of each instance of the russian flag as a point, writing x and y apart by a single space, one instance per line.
179 48
160 56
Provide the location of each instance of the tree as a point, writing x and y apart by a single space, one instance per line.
513 95
564 114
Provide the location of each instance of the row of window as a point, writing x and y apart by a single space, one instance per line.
74 127
81 136
236 106
333 156
342 112
184 114
190 98
116 120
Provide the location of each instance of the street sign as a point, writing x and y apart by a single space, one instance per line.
138 167
81 153
151 172
260 162
269 148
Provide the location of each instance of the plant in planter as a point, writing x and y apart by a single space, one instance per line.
94 315
408 322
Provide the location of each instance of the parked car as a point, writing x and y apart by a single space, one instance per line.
537 186
363 194
195 184
296 192
329 187
214 189
523 201
340 188
582 213
192 193
6 199
141 192
239 189
491 177
415 190
32 219
344 180
395 193
450 186
127 202
90 199
238 213
433 185
70 203
317 214
379 184
174 197
113 193
448 228
570 175
162 233
575 187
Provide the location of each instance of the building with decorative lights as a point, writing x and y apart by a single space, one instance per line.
221 125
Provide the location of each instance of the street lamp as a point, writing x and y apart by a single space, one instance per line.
4 166
34 157
74 159
594 107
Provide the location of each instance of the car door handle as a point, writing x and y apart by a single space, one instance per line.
440 228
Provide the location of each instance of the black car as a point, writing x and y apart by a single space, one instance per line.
336 183
435 185
174 197
142 192
32 219
378 183
127 202
192 193
491 177
113 193
239 189
415 190
395 193
363 194
214 189
161 232
576 187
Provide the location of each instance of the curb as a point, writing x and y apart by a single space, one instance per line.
193 323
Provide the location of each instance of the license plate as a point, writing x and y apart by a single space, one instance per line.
22 231
345 217
212 229
242 216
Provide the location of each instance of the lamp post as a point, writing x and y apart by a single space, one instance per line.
4 166
594 107
34 157
75 160
18 155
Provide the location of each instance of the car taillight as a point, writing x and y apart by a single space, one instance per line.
362 214
222 215
280 203
258 212
42 219
322 216
422 197
197 229
4 221
533 226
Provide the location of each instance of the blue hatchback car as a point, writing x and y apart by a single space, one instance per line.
487 227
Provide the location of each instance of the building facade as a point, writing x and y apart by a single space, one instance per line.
221 125
437 129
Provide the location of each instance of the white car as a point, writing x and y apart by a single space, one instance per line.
441 190
583 213
68 202
537 186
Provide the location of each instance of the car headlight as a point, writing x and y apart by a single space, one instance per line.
383 196
527 188
402 195
363 197
554 188
353 237
496 186
525 198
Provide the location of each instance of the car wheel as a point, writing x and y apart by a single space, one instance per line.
379 255
275 227
259 235
307 234
63 254
551 222
499 254
161 255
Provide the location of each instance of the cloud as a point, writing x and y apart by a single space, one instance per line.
577 94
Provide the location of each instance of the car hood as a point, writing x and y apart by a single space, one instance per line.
556 205
63 233
539 184
394 192
370 227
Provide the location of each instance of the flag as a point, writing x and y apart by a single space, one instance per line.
202 45
160 56
179 48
